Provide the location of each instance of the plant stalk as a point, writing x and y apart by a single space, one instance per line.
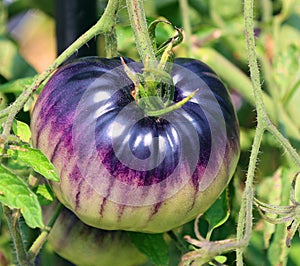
245 215
244 227
12 219
139 26
42 238
263 123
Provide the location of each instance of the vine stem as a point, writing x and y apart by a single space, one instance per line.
263 123
12 219
105 25
139 26
284 142
42 238
244 227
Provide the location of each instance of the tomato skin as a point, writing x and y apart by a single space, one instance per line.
123 170
88 246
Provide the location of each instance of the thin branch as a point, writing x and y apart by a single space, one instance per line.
12 219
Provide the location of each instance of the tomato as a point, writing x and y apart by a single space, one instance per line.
123 169
88 246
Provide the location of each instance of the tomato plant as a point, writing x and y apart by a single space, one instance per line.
108 132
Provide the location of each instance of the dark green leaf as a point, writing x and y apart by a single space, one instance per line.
21 130
37 160
218 213
15 193
17 7
153 246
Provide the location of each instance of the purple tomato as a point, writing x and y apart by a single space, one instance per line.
122 169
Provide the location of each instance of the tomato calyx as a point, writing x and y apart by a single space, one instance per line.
154 88
155 96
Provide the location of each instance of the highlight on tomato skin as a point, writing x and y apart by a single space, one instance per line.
122 169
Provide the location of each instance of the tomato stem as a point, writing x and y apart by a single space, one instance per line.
140 30
172 107
156 75
149 93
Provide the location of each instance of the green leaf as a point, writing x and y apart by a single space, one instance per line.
153 246
268 184
286 74
27 106
220 259
21 130
218 213
15 193
37 160
278 251
45 194
16 86
286 70
17 7
13 65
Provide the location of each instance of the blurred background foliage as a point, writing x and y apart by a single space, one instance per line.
27 47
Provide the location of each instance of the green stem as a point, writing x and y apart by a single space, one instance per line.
184 6
252 57
104 25
140 30
111 45
284 142
245 214
42 238
12 219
